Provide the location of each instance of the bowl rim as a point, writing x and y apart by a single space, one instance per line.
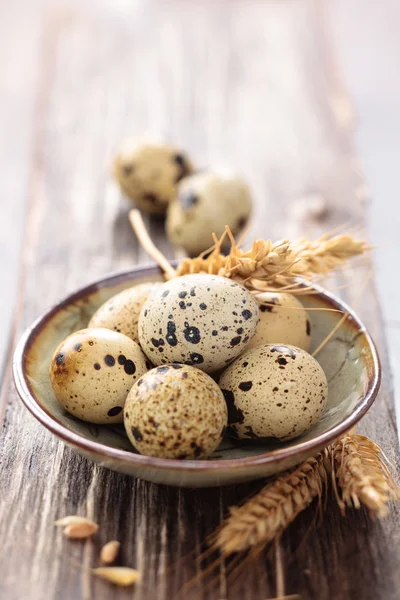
27 395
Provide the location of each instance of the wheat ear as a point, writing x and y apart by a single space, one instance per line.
362 476
266 264
265 516
276 264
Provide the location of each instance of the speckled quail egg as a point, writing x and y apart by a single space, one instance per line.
207 202
273 391
283 320
175 411
92 372
121 312
201 320
148 172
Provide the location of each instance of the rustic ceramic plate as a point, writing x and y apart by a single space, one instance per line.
349 360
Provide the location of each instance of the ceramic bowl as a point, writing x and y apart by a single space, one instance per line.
349 360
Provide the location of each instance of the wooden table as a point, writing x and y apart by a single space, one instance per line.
251 83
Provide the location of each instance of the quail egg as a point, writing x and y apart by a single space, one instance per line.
273 391
201 320
121 312
148 172
207 202
283 319
175 411
92 372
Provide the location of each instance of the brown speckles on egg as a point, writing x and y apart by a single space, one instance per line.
195 359
266 307
129 367
251 433
208 324
184 167
59 359
171 337
245 386
235 414
127 169
113 412
179 412
192 334
136 434
308 327
93 376
270 392
109 360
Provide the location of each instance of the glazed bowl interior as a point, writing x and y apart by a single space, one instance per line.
349 360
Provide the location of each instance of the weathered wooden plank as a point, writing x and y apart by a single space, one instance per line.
376 92
18 72
251 83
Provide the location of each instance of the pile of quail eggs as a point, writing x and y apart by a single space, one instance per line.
161 180
184 363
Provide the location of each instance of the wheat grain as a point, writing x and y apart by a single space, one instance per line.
76 527
73 520
265 516
362 476
109 552
80 531
123 576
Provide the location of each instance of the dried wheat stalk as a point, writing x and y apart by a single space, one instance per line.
362 476
354 461
265 516
279 264
267 264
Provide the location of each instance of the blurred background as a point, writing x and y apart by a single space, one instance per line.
87 65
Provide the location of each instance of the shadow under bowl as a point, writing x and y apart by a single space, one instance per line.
349 360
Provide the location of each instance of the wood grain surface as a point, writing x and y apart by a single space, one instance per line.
249 83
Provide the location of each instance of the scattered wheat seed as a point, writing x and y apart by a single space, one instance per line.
123 576
73 520
80 530
109 552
